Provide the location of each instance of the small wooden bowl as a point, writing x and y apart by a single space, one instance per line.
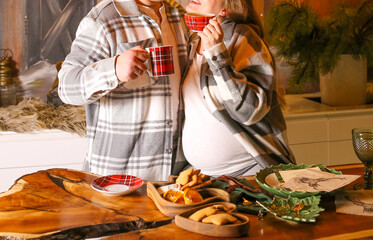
171 209
228 230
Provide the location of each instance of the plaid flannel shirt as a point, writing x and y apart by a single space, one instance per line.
129 126
239 87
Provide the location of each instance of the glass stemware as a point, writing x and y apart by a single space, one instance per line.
362 140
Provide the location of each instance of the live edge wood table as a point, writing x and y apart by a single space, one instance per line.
60 204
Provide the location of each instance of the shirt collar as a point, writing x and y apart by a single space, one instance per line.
151 13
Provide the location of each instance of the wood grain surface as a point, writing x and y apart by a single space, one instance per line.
241 228
60 204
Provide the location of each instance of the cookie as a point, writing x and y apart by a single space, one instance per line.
219 219
183 177
203 213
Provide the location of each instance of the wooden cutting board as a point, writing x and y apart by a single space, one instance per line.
60 203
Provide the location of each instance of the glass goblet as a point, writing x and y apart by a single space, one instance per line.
362 140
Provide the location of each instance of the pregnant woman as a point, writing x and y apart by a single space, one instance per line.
233 123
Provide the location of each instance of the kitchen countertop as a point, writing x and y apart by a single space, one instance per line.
308 105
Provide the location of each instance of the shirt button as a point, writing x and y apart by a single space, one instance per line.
111 84
169 150
214 58
169 123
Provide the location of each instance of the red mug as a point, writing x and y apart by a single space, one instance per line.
197 21
161 61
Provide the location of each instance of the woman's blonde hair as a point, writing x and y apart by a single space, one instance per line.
243 11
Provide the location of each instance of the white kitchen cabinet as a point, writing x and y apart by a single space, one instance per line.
307 130
321 134
311 153
26 153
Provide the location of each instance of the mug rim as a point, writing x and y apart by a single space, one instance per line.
197 14
159 46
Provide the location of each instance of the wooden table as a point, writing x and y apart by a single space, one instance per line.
60 204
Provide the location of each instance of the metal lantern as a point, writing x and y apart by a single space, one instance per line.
7 85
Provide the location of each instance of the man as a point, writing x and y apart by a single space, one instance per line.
131 118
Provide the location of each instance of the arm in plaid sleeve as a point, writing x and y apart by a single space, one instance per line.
88 72
244 77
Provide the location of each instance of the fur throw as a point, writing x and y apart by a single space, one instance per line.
32 114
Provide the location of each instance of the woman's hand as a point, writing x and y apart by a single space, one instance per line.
211 35
130 64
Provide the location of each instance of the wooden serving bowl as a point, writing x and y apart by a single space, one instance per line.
171 209
228 230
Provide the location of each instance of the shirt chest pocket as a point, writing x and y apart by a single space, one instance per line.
149 42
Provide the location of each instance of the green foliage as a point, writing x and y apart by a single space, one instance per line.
312 45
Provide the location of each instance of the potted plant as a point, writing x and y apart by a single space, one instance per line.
314 46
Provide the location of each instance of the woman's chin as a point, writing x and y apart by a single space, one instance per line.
191 7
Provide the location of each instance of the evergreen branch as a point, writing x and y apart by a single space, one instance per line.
295 30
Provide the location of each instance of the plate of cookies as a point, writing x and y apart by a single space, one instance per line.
218 219
186 191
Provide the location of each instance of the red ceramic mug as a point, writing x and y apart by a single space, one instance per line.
197 21
161 61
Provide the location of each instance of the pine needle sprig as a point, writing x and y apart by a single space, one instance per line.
312 45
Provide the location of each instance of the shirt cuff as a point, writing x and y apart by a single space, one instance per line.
214 51
105 77
217 56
